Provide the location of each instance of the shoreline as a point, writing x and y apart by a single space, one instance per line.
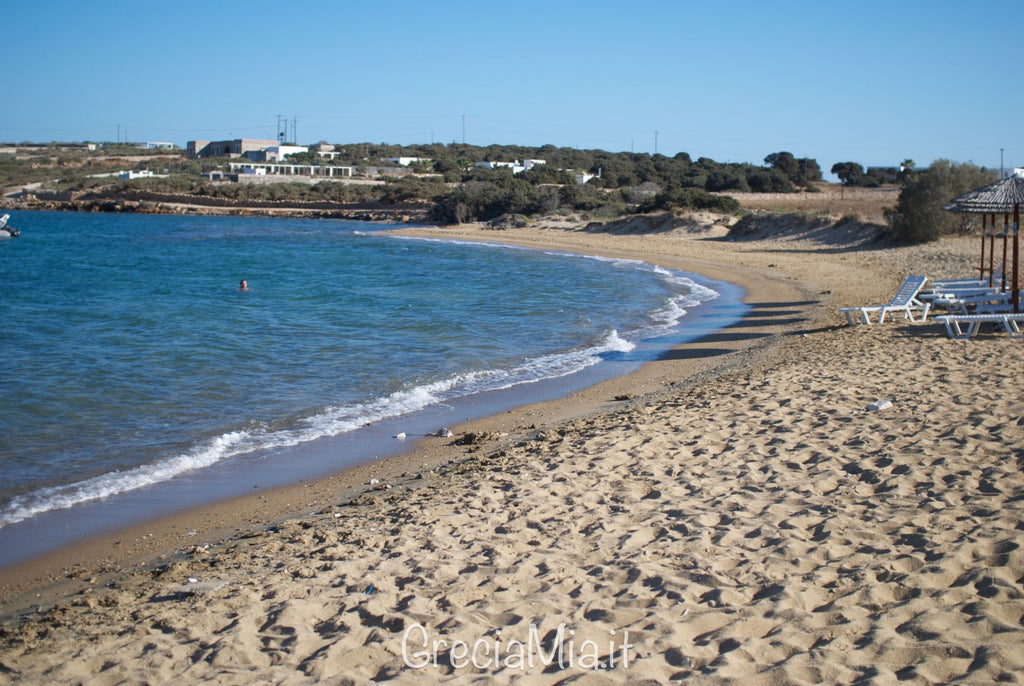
52 531
143 545
732 507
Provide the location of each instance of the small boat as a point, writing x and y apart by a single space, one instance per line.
7 231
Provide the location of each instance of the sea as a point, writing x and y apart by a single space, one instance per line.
137 378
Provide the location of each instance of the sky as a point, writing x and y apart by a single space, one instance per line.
873 82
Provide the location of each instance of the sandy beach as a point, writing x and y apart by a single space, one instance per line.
731 513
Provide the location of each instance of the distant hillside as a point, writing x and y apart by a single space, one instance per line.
442 184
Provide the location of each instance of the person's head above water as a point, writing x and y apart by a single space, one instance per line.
244 286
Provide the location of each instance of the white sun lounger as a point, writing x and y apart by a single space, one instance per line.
965 283
964 301
963 326
905 301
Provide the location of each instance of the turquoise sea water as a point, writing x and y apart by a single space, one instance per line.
129 357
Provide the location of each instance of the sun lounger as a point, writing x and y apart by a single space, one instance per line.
963 326
965 283
964 301
958 291
905 301
958 283
991 303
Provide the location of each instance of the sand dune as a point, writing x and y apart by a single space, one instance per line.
737 515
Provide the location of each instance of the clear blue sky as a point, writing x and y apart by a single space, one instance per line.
873 82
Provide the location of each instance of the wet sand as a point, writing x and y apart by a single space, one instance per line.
731 512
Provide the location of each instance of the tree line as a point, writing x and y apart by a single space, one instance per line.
618 182
782 172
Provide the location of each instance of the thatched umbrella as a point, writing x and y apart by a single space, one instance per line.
1003 196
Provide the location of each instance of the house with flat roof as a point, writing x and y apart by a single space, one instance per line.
312 170
516 166
232 148
406 161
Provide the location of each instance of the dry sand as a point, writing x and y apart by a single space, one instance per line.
731 513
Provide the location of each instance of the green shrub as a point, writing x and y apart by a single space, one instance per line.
692 199
918 216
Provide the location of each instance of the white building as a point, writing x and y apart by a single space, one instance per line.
404 162
516 167
286 169
132 174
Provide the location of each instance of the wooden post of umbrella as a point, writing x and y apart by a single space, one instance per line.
1016 257
981 267
992 252
1006 237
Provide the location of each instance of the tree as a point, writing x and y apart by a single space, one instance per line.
308 157
763 180
849 173
726 180
785 163
545 173
809 171
918 216
801 172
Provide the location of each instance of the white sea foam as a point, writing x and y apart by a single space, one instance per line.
68 495
331 422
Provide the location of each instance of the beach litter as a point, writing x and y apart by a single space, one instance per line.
197 587
879 405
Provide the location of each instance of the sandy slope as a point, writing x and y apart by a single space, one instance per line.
736 515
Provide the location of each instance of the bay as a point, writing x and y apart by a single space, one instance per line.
130 357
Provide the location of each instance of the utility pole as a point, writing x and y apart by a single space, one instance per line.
1001 164
463 129
280 136
118 133
295 129
655 142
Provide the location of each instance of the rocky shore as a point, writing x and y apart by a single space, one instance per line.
166 203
